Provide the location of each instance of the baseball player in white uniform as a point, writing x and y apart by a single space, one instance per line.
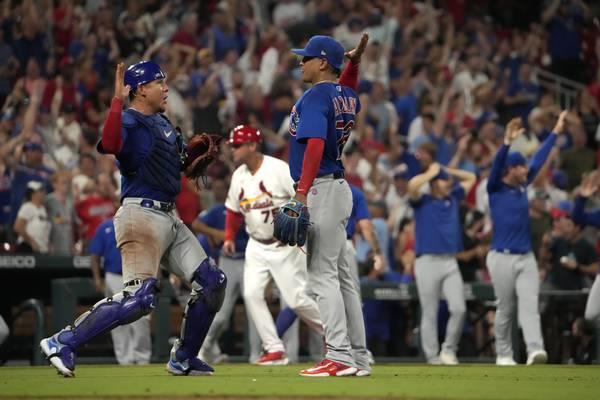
259 186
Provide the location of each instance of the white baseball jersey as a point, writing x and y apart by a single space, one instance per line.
258 196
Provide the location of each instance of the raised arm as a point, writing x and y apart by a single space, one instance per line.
415 184
467 179
540 156
112 139
588 188
513 130
349 76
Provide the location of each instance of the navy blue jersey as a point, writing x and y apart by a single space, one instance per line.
149 161
104 244
327 111
509 205
437 223
359 211
215 218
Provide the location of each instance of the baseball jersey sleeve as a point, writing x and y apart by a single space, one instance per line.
314 117
286 184
232 203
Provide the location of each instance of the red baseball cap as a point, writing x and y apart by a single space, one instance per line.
244 134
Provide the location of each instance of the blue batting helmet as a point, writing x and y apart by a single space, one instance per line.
141 73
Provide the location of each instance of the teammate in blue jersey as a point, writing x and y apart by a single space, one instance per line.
320 125
132 343
211 224
588 188
511 261
150 154
438 237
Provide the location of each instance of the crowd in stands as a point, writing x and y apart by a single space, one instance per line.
438 81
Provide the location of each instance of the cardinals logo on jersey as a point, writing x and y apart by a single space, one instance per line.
263 200
294 121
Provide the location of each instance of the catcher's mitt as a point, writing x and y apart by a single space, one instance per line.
291 223
201 151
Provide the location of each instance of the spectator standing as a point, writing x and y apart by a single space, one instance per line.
32 224
62 217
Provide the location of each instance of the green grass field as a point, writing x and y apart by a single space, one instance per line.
233 381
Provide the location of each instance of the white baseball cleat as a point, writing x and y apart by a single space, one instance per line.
363 372
448 358
505 361
537 357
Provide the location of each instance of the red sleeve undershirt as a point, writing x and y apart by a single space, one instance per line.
311 163
349 76
233 221
112 142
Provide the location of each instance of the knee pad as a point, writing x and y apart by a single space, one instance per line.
208 284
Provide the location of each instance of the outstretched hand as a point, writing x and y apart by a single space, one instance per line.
589 186
514 129
559 128
356 53
121 91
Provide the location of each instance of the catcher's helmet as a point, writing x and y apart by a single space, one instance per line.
141 73
244 134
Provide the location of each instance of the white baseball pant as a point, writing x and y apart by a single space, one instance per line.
287 266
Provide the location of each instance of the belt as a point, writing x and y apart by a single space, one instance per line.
510 251
157 205
335 175
265 241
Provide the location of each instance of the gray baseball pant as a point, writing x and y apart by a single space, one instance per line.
592 307
330 206
516 281
350 285
234 269
437 275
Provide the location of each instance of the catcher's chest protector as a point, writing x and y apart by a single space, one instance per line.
160 169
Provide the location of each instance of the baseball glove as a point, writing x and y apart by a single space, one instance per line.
291 223
201 151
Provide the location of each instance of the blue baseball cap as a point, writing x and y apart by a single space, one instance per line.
515 158
442 175
141 73
324 47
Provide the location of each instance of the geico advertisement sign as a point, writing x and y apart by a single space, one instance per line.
17 262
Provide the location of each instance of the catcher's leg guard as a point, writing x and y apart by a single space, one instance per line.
121 309
208 293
